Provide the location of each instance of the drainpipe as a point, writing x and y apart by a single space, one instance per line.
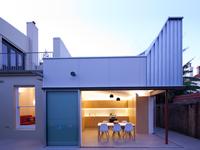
166 117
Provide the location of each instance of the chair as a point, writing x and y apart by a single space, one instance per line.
103 129
117 129
129 128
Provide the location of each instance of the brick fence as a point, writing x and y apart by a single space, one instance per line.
184 115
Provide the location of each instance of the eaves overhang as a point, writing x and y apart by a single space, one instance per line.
118 88
12 73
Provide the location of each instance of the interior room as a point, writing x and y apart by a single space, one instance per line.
111 107
26 107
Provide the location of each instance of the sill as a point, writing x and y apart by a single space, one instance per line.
26 127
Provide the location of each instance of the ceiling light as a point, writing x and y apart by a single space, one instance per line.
111 95
117 99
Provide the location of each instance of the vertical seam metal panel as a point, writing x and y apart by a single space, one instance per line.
166 48
164 56
156 63
162 50
172 53
180 72
176 54
164 61
153 65
151 80
170 63
159 47
148 69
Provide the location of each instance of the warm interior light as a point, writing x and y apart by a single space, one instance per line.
20 90
26 103
105 111
105 95
33 102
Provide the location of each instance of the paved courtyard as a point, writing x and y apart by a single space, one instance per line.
179 142
90 139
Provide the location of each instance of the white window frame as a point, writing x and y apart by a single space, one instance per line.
18 126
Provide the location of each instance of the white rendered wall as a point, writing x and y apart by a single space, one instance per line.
27 44
13 35
8 129
1 51
95 72
32 56
59 49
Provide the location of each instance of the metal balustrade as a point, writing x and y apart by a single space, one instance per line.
27 61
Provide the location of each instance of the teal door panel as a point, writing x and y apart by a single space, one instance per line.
62 118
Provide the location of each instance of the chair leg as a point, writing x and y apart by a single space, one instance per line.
130 135
107 133
124 134
119 134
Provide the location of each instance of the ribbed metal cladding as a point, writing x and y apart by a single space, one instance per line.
164 58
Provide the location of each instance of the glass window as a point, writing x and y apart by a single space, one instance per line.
26 108
4 55
13 58
19 60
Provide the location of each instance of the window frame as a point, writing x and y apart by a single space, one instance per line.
11 48
17 122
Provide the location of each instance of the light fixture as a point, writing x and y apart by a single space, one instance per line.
72 73
111 95
117 99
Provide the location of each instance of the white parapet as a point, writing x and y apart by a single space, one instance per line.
59 48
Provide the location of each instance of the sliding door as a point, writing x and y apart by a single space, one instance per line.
63 118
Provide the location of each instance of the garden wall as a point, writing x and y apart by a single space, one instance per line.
184 115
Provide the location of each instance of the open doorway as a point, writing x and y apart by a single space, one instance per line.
105 107
111 106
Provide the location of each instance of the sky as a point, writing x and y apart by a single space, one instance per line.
105 27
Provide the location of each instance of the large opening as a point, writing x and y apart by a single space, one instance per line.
113 107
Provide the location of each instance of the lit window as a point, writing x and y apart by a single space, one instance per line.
26 108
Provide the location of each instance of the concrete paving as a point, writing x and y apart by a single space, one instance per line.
183 143
90 139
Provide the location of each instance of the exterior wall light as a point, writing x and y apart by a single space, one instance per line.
72 73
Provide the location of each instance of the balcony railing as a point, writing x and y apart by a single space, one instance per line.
25 61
